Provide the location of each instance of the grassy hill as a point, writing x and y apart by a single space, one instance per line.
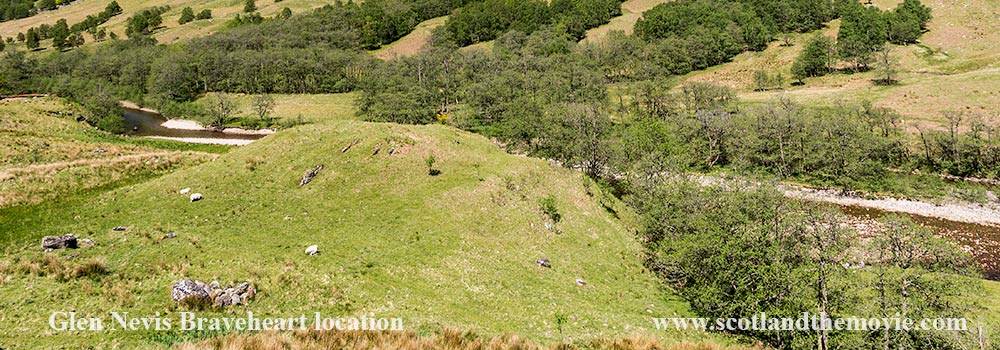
631 12
956 66
45 153
457 249
222 11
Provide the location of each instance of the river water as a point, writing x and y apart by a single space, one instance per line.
982 241
143 123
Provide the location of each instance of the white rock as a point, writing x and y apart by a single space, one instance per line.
195 197
581 282
312 250
185 190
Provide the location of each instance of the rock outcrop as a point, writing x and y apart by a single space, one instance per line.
310 174
193 292
59 242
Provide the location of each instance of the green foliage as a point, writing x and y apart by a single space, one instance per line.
488 20
59 33
31 39
815 58
145 22
92 22
187 15
550 208
15 9
250 6
204 14
863 31
763 81
752 250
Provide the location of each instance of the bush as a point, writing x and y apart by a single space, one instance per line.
550 209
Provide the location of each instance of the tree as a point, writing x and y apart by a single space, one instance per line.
20 37
187 15
263 105
814 60
75 40
250 6
31 39
286 13
886 64
862 33
204 14
59 33
3 45
220 108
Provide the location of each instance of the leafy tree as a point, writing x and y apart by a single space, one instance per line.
31 39
46 4
187 15
75 40
263 105
286 13
250 6
221 109
3 44
863 31
814 60
59 33
204 14
20 37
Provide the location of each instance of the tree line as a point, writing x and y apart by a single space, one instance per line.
65 36
17 9
486 20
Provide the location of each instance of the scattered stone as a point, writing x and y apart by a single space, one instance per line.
59 242
548 226
196 197
312 250
580 282
348 147
378 147
169 236
543 262
198 292
100 150
392 151
71 256
86 242
310 174
119 228
185 190
190 291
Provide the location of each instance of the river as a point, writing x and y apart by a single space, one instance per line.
981 241
149 124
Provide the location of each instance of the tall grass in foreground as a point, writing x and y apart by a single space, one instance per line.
445 339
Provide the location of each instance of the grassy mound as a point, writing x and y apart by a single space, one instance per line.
45 153
456 249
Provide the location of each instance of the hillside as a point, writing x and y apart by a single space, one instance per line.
631 12
393 240
956 66
222 10
45 153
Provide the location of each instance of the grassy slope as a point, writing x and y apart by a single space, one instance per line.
222 10
456 249
411 44
45 153
955 67
631 12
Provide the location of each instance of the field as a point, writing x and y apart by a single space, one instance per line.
394 241
956 67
